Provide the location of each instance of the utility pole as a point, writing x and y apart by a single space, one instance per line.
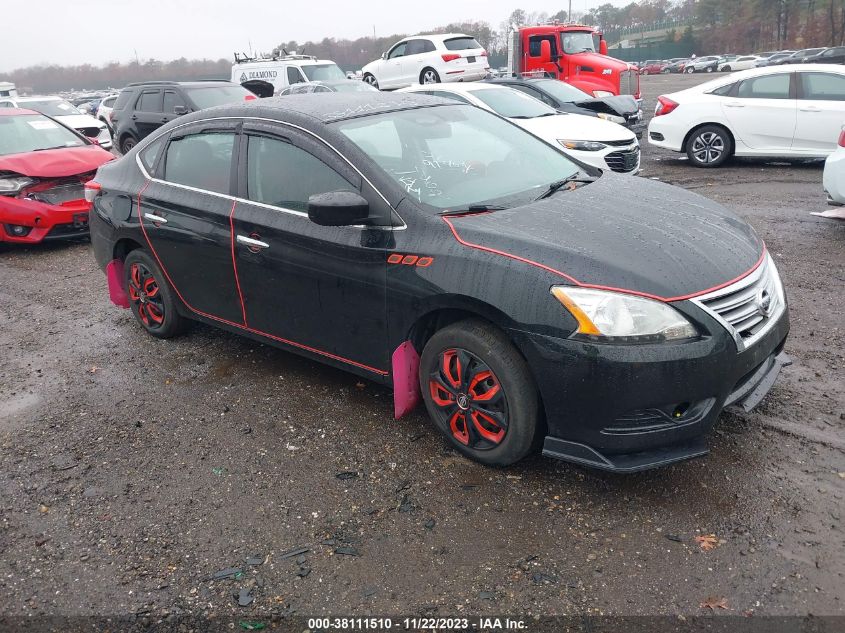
569 15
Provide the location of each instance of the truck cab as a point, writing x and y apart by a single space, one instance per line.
266 76
8 89
574 53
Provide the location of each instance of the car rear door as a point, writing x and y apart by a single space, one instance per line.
148 115
821 110
762 111
412 62
185 214
318 288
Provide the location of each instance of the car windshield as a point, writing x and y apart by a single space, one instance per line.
323 72
452 157
562 91
210 96
50 107
352 85
577 42
512 103
29 132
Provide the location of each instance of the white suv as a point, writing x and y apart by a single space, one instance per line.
428 59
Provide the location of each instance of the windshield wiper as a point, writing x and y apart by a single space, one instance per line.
577 177
473 208
44 149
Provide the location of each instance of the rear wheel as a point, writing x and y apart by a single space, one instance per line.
429 76
709 146
480 393
371 79
127 144
726 69
644 71
150 298
689 70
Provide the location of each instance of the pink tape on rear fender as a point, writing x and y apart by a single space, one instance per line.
114 275
406 372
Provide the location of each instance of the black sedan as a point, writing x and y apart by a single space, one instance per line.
322 87
437 248
621 109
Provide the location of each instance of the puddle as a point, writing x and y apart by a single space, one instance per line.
11 408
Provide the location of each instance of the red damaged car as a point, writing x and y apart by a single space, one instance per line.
43 169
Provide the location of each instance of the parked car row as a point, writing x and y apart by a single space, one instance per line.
731 63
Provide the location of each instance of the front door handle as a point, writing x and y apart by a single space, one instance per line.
253 244
155 218
810 109
735 104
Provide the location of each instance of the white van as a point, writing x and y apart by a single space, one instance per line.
263 73
8 89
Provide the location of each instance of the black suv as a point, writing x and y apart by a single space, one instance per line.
144 107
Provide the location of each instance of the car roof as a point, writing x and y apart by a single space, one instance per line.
434 36
17 112
184 84
470 86
37 98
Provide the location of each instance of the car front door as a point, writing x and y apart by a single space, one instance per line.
172 101
762 111
392 67
821 110
185 215
148 115
318 288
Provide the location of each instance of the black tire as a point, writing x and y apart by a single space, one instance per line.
689 70
709 146
665 71
709 69
644 71
369 78
429 76
726 69
150 298
484 373
127 143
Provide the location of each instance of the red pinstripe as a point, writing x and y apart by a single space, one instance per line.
235 263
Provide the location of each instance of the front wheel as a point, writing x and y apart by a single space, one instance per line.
127 144
429 76
709 146
371 79
150 298
709 69
480 393
690 70
726 69
644 71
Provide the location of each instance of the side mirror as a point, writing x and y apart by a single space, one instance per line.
603 46
545 52
180 110
338 208
384 55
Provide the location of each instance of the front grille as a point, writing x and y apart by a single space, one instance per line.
90 132
623 162
619 143
63 191
749 307
628 82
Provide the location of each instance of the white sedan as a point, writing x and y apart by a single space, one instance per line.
428 59
744 62
782 111
591 140
64 112
834 174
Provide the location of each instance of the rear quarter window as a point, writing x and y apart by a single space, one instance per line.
122 99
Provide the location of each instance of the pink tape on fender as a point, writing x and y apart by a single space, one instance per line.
406 372
114 275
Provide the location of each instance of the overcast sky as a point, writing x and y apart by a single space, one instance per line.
97 31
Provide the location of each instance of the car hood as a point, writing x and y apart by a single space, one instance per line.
79 120
623 105
576 127
56 163
623 233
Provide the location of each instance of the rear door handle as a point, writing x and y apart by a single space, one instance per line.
252 243
155 218
810 109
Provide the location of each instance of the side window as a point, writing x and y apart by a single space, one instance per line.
150 153
6 104
283 175
294 76
202 160
449 95
428 46
171 100
724 91
149 101
534 46
397 51
766 87
823 86
413 47
531 92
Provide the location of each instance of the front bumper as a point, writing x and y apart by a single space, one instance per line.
629 408
833 179
43 221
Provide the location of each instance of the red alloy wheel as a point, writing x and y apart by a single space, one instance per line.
469 398
145 293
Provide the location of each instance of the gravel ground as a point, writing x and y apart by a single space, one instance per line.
133 469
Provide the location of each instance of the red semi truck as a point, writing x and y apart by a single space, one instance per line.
568 52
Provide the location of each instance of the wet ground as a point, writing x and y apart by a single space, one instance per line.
133 469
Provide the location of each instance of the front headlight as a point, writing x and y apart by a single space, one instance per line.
615 317
584 146
14 184
602 93
610 117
